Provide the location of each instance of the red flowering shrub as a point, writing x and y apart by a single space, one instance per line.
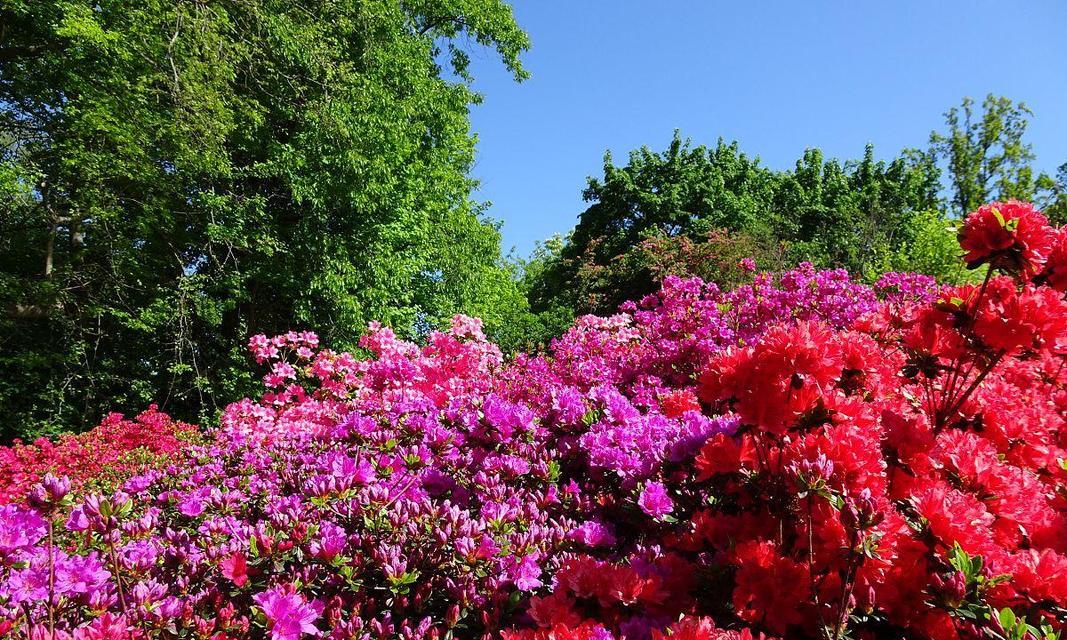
1055 271
104 456
904 477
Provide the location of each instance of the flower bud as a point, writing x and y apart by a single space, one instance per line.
49 493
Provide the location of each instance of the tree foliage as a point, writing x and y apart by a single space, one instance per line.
176 175
688 208
985 153
1053 196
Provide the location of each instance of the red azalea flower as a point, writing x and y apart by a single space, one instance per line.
1041 575
771 589
1010 319
693 628
1012 236
235 567
955 517
779 378
588 630
622 585
724 454
677 403
1055 273
553 610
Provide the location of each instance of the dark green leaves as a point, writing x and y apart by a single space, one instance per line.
194 173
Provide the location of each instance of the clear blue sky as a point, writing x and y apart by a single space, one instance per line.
776 76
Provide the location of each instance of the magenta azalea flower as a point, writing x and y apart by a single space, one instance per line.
107 627
19 529
654 500
289 614
528 574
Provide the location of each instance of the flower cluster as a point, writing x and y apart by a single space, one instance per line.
114 450
395 496
1012 236
803 456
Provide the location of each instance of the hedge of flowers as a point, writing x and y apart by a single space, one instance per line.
801 457
116 449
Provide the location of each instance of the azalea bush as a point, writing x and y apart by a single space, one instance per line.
100 458
801 456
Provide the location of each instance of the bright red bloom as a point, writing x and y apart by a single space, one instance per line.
677 403
691 628
779 378
1008 319
554 609
582 576
770 590
108 454
724 454
1012 236
722 531
1055 273
854 451
623 585
955 517
931 331
107 627
235 567
936 624
1041 575
587 630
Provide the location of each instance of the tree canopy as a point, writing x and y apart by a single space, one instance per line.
178 175
696 210
985 153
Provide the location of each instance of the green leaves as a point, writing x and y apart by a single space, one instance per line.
1003 624
1012 627
200 173
695 210
401 584
970 567
985 153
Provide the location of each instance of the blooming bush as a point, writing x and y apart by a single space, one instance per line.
116 449
802 456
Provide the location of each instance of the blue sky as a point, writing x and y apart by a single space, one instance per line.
776 76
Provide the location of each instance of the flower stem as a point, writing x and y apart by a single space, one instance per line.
51 579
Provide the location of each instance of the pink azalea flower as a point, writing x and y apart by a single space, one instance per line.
289 614
654 500
235 567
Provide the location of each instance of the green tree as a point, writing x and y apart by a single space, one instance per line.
931 248
694 210
1053 195
176 175
853 214
684 191
985 153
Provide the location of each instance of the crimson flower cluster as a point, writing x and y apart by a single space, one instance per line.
117 448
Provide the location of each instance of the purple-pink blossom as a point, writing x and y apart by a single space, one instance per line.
289 615
654 500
